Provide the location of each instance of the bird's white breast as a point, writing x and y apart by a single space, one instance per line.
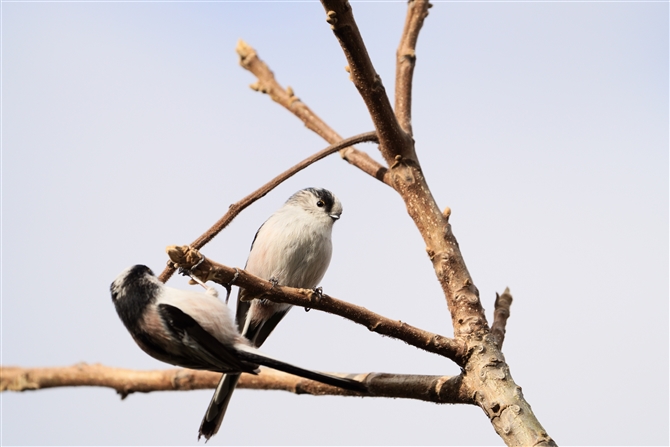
292 247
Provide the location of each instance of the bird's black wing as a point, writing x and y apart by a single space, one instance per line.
204 350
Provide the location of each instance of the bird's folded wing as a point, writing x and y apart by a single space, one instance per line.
206 351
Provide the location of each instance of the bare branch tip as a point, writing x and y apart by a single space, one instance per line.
243 49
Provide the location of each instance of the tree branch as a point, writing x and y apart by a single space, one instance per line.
267 83
486 373
407 177
417 11
500 316
438 389
393 140
208 270
237 207
493 389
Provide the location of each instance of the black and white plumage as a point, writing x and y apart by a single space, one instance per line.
292 248
193 329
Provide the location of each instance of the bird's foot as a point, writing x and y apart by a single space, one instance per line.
229 285
317 294
195 280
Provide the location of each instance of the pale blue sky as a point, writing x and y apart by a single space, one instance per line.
127 127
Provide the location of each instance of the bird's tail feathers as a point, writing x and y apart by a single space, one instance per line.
217 407
257 331
253 355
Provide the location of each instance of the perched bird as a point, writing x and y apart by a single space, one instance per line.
193 329
292 248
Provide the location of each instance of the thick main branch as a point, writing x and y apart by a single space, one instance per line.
393 140
486 373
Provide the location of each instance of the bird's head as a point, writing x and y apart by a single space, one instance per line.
131 279
319 202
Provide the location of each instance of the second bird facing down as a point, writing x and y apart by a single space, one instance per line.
193 329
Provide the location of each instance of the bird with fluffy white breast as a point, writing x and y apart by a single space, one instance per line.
292 248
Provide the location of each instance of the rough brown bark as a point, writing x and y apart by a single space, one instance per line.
485 373
437 389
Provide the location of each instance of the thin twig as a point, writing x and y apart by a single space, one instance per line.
417 11
209 270
438 389
237 207
266 83
393 140
500 315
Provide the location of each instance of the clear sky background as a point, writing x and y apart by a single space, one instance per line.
129 126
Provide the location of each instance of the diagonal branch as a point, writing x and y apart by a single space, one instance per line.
397 147
267 83
237 207
500 316
393 140
208 270
417 11
438 389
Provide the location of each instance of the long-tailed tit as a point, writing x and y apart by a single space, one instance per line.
193 329
292 248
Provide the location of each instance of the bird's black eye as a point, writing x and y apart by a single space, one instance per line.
320 203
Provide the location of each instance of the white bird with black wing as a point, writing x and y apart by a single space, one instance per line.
193 329
292 248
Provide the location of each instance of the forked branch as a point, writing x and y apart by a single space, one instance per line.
485 379
486 374
266 83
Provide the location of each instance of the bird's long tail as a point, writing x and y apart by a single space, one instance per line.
254 356
217 407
